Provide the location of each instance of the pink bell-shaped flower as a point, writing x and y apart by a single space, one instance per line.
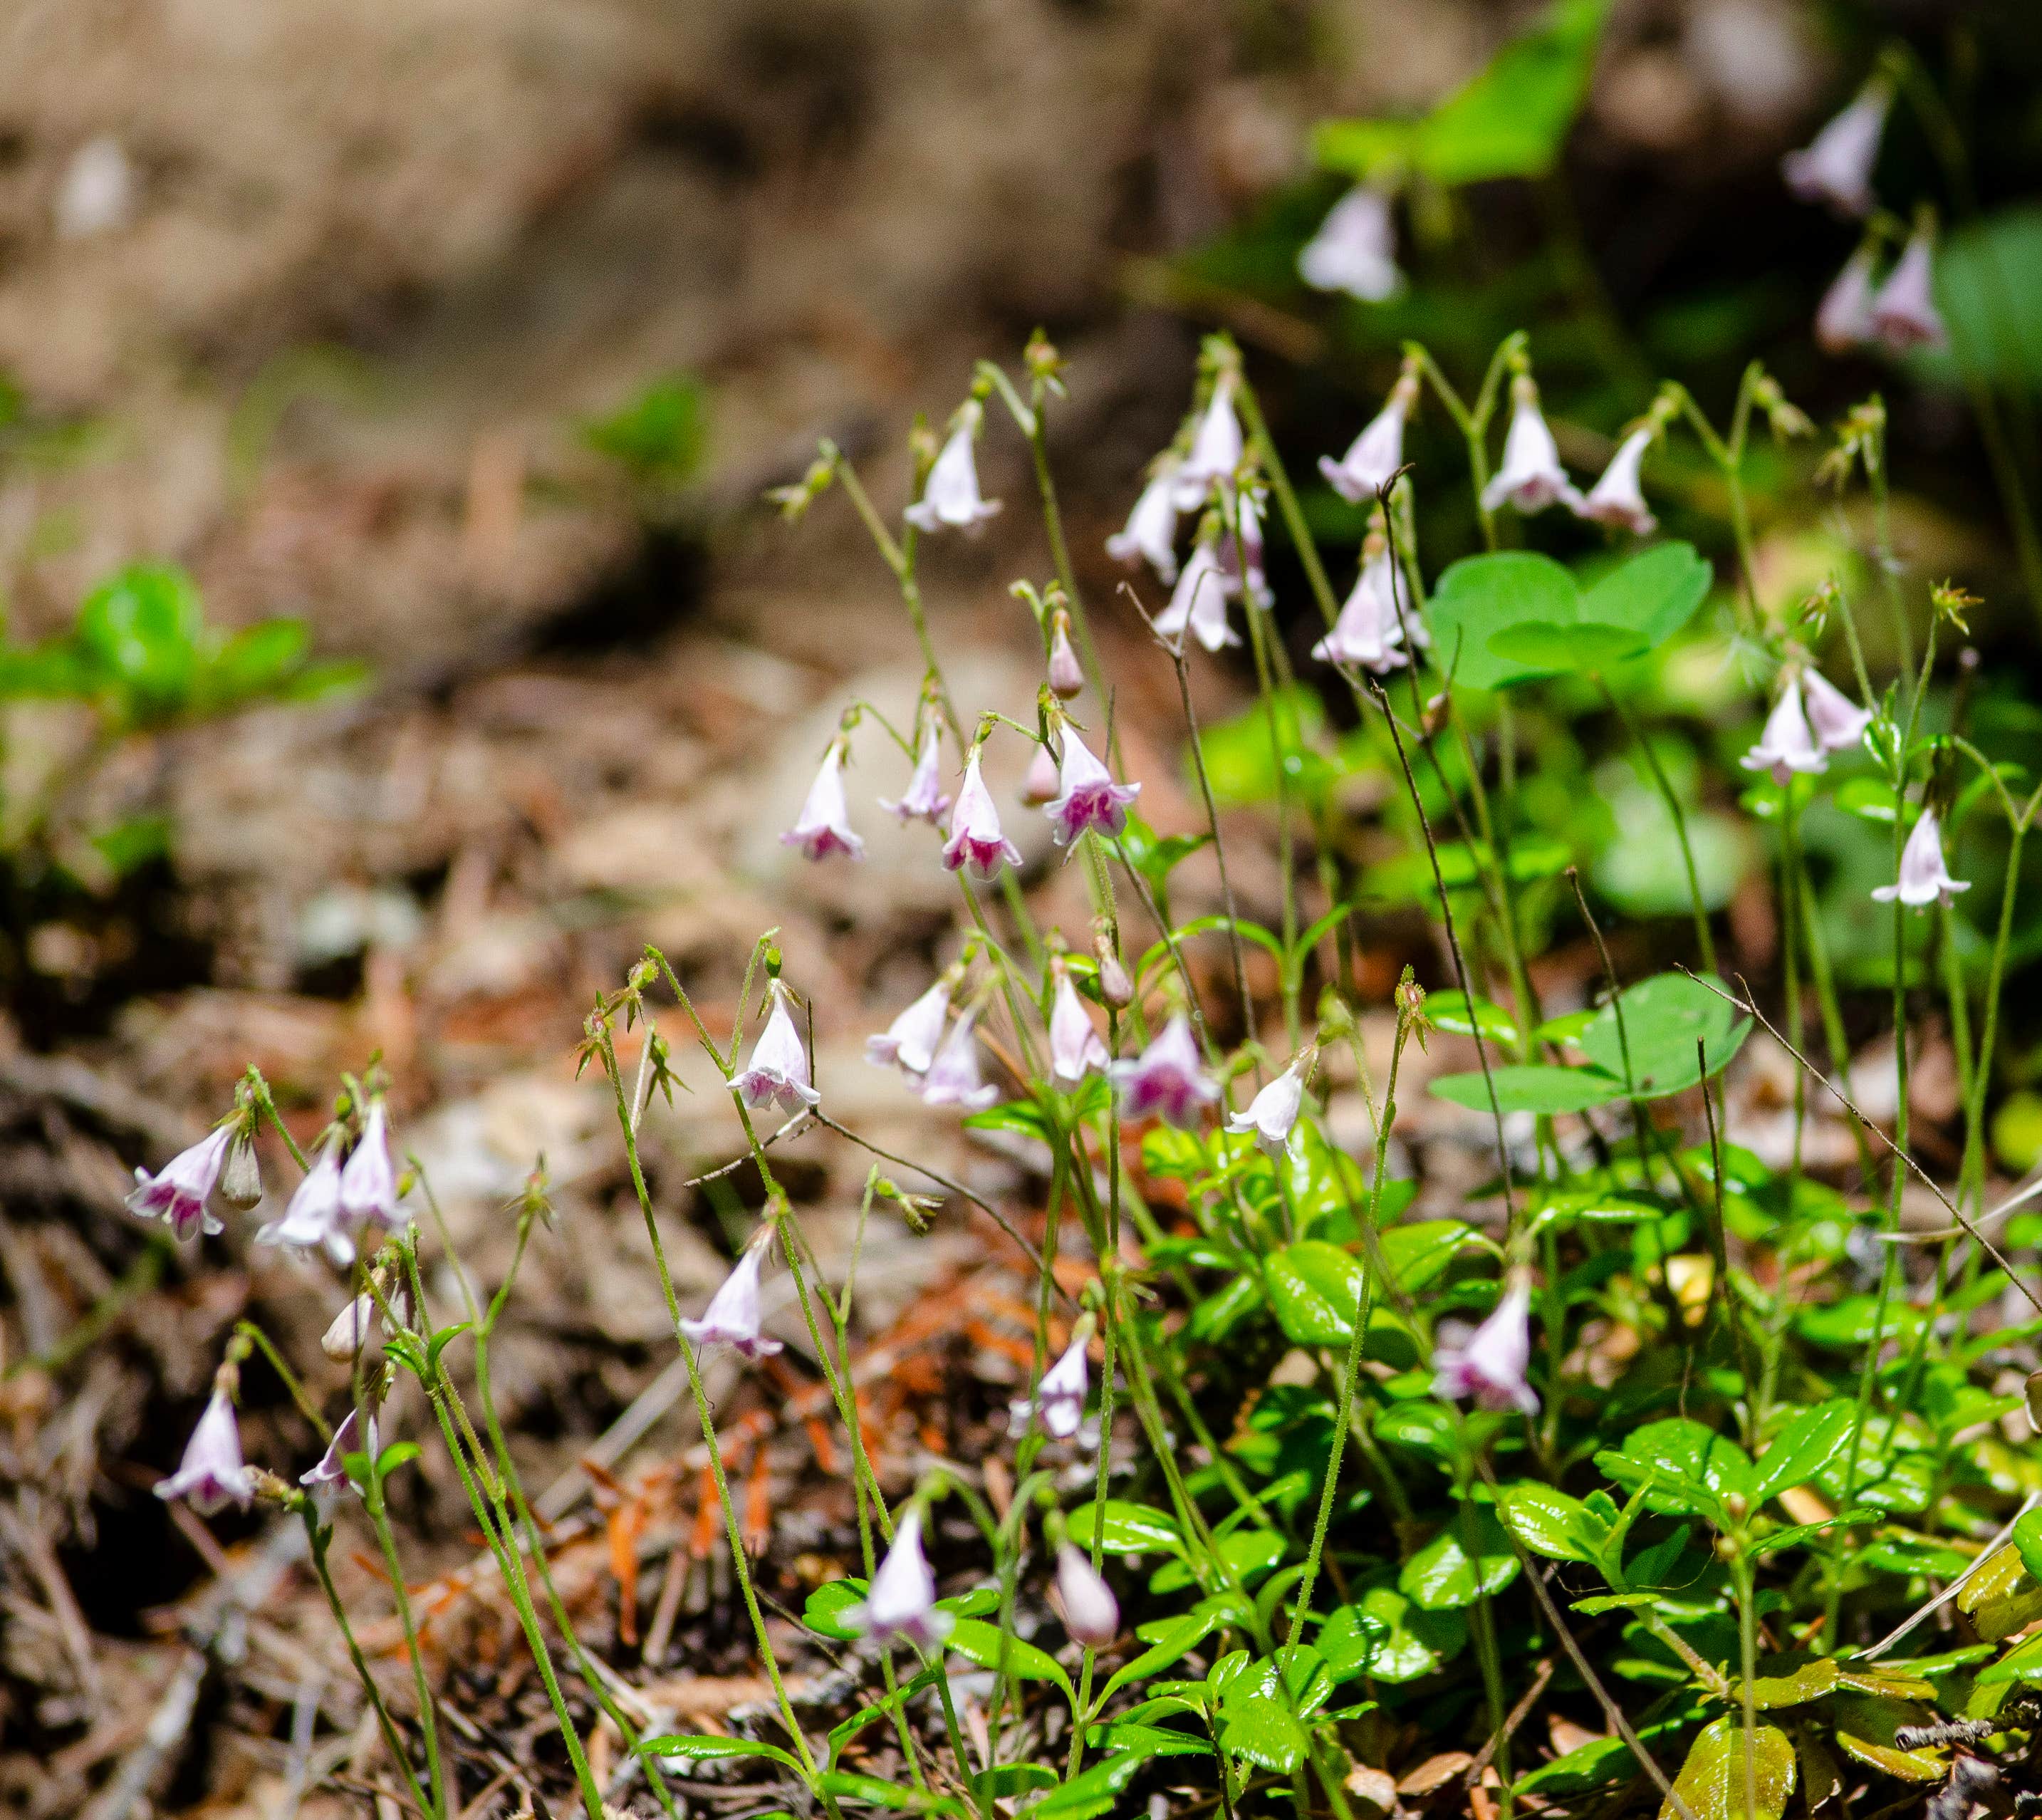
1531 478
779 1069
1924 878
1060 1393
176 1194
950 495
1836 165
1373 456
211 1474
1273 1113
1355 248
1089 797
1075 1047
330 1474
1368 631
1150 535
368 1184
1616 499
1198 604
1490 1365
1904 314
977 839
910 1041
953 1077
1216 450
824 826
1838 722
732 1317
1066 674
1091 1614
925 799
1246 576
1786 746
1843 318
1040 785
1167 1081
899 1606
314 1219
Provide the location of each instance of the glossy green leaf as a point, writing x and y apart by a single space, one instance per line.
1384 1636
1798 1453
824 1612
1261 1728
704 1749
1540 648
1450 1011
1531 1087
1479 597
1129 1528
1663 1019
1444 1576
1653 595
1550 1522
1315 1289
1714 1781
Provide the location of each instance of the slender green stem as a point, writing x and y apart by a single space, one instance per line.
379 1519
320 1537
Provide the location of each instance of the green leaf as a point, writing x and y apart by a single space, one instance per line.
1382 1634
255 661
1713 1781
1479 597
1654 594
702 1749
1987 273
1443 1576
1129 1528
657 438
1801 1449
140 631
1550 1522
1531 1087
1177 1639
1315 1289
2003 1597
824 1612
1417 1251
1664 1017
1006 1779
993 1648
2028 1542
1684 1467
444 1338
1541 648
1450 1011
1865 1728
397 1454
1095 1791
1262 1729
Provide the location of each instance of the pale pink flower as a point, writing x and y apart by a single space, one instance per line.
314 1219
1835 720
1198 604
1531 478
1091 1614
1246 576
1924 877
176 1194
1059 1394
911 1039
1273 1113
1075 1047
368 1184
1089 797
331 1472
1843 318
1786 746
1904 314
976 837
1216 449
779 1069
1168 1080
824 826
1355 248
1490 1366
732 1317
900 1604
211 1473
950 495
1836 166
953 1077
1369 631
1040 785
925 799
1066 674
1616 499
1373 456
1151 532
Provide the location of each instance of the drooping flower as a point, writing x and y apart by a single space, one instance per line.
1368 631
1040 785
357 1325
1904 314
313 1217
1216 449
1531 478
1089 797
368 1184
823 825
1490 1366
1198 604
910 1041
211 1473
1616 499
977 839
1060 1393
1373 456
1786 745
1168 1080
241 1179
1355 248
176 1194
1924 878
1244 564
950 495
1075 1047
1835 720
953 1077
925 798
1066 674
900 1604
331 1472
1151 532
1091 1614
732 1317
1835 166
779 1069
1843 318
1273 1113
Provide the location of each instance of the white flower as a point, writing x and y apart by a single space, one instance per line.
1834 717
177 1193
953 1078
1060 1393
1904 314
1924 877
925 799
1836 166
1373 456
1531 478
368 1184
1616 499
1091 1614
1216 449
950 495
1786 746
732 1317
1198 604
313 1217
1355 248
1273 1112
779 1069
977 838
900 1604
1075 1047
824 826
1843 319
1151 532
911 1039
211 1473
1369 631
1490 1366
1086 796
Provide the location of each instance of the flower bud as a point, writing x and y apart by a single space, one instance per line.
241 1179
1114 987
1066 676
